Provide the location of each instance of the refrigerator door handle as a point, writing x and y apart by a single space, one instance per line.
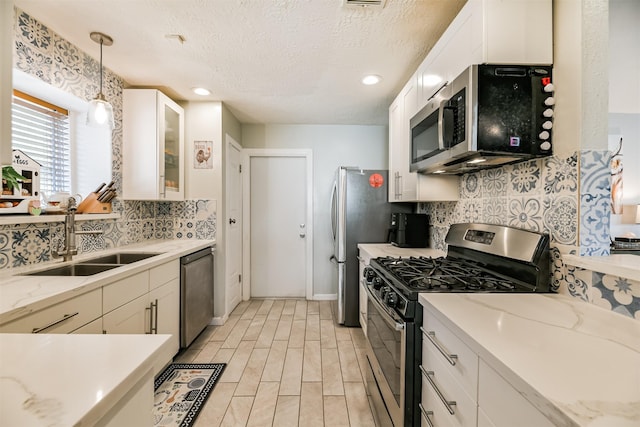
333 208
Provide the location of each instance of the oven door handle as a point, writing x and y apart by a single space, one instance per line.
392 320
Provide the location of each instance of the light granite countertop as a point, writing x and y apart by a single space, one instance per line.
21 295
42 383
622 265
577 363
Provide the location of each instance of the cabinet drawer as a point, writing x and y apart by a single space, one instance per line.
465 365
464 410
61 318
94 327
118 293
164 273
503 405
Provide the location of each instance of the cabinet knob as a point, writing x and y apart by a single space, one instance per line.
232 221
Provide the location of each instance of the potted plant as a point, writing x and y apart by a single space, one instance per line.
10 180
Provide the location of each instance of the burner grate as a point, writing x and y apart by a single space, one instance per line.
442 274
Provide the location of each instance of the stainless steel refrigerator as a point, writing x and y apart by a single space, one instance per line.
360 213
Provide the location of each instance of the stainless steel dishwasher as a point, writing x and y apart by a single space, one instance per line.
196 294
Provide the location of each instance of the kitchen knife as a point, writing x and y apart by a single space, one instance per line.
99 188
110 197
103 194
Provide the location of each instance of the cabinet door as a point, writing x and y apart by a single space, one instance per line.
396 117
165 302
170 132
131 318
408 180
363 297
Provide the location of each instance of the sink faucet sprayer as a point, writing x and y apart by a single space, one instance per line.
68 250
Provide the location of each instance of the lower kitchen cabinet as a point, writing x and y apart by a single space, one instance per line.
502 405
60 318
460 389
362 294
167 311
134 409
130 318
94 327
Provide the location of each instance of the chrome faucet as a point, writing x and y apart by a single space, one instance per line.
68 249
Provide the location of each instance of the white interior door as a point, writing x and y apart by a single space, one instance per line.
233 222
279 212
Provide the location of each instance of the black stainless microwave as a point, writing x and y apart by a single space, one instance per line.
489 115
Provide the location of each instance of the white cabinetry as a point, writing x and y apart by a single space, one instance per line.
145 303
492 32
461 389
153 146
60 318
405 186
362 294
502 406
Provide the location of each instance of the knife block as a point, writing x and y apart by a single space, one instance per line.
91 205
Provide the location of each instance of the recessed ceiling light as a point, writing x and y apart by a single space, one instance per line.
474 161
201 91
371 79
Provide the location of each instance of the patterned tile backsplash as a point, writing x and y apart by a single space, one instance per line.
545 195
44 54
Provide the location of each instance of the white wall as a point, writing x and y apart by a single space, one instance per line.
332 146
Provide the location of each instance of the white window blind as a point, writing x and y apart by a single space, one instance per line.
41 130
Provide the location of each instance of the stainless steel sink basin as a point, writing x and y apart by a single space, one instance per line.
120 258
74 270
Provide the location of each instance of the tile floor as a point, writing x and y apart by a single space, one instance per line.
288 364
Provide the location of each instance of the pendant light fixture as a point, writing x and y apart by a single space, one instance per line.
100 112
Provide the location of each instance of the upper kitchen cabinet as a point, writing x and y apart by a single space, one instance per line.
488 32
406 186
152 147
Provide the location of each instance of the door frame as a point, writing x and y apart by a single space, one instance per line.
229 141
247 154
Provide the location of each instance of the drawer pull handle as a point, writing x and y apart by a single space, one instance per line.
447 403
426 414
55 322
431 335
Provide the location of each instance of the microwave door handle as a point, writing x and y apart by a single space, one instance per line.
446 130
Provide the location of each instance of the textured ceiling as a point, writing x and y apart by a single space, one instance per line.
270 61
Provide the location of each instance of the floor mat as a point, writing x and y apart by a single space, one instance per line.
181 391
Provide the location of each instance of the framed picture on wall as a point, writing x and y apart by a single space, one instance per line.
202 155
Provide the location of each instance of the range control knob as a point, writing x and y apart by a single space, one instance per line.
369 274
376 282
391 299
544 135
550 101
548 87
548 112
545 146
383 292
547 125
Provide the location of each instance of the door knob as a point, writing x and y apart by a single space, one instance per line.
232 221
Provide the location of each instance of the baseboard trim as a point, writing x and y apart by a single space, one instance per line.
219 321
324 297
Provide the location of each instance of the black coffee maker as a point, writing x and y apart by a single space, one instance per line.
409 230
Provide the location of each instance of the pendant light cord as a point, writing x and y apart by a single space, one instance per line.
101 43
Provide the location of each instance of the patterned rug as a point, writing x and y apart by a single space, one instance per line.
181 391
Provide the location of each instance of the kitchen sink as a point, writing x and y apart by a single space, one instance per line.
74 270
120 258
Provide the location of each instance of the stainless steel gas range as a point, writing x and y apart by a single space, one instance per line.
480 258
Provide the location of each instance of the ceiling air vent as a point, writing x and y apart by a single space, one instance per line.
365 3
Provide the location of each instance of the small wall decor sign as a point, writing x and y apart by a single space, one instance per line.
202 155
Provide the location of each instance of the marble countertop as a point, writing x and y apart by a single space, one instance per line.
623 265
577 363
375 250
21 295
81 385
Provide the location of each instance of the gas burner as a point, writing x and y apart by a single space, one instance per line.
426 274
